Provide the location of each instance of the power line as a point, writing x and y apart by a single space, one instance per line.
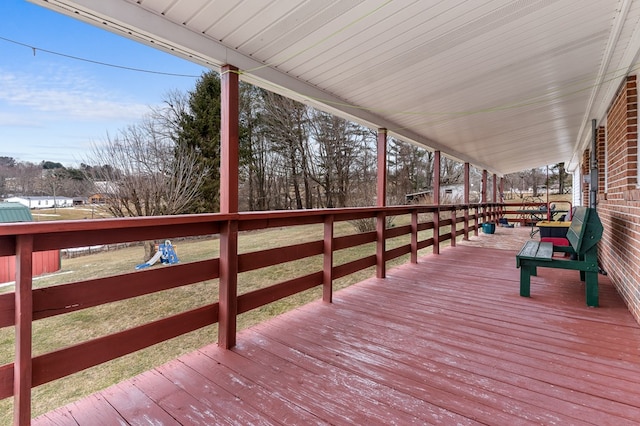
77 58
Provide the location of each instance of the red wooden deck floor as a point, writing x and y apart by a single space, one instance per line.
447 341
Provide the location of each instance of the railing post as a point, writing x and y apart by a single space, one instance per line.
381 201
229 139
381 159
484 195
467 189
381 266
454 227
483 213
501 198
229 152
494 199
475 220
228 291
23 367
466 222
436 231
327 269
414 236
436 200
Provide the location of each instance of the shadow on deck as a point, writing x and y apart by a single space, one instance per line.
448 340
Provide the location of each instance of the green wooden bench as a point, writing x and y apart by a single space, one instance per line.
584 233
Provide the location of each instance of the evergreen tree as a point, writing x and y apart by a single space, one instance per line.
199 129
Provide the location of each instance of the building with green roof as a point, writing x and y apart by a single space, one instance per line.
43 261
14 212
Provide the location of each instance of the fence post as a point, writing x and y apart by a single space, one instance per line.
436 231
327 268
228 291
414 236
467 189
454 226
229 153
23 367
466 222
476 216
381 266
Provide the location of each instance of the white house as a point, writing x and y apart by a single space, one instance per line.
449 194
42 202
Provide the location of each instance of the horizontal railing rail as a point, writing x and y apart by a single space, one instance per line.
27 304
526 213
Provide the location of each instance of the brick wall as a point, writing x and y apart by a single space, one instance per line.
601 157
619 202
585 171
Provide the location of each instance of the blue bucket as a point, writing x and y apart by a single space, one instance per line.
488 228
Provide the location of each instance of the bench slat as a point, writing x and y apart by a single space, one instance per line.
536 250
545 251
529 250
576 229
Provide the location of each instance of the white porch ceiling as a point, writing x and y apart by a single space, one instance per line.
504 85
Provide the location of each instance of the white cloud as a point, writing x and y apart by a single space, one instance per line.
12 119
61 94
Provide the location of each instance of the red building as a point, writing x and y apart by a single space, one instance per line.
43 261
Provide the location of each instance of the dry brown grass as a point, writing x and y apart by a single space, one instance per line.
70 213
543 198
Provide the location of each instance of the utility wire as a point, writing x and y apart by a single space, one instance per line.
77 58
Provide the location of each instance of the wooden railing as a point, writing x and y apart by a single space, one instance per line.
529 213
25 305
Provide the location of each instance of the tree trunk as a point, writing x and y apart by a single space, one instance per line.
149 250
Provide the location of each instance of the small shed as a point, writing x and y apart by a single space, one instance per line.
98 198
14 212
449 194
43 261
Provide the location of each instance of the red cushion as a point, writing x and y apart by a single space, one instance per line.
556 241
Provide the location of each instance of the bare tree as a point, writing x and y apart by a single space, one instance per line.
149 175
167 117
286 124
452 171
537 177
526 180
363 191
27 179
410 170
561 177
339 145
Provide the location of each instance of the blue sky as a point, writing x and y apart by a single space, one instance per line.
52 107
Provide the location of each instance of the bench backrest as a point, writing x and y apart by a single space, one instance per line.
585 230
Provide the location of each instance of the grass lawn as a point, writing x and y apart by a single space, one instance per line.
69 329
70 213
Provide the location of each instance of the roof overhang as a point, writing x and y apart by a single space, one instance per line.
503 85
